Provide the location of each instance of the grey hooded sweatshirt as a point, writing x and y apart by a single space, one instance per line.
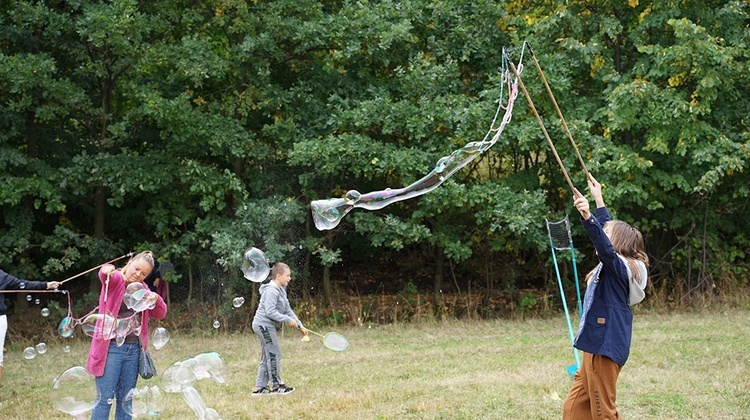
274 309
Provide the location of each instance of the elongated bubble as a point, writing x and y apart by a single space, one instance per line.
255 266
327 214
99 326
75 392
194 401
238 301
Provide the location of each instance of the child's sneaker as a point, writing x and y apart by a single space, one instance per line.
262 391
282 389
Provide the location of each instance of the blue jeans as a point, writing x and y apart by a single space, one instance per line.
120 376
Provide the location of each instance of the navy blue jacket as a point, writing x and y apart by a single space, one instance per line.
607 321
8 282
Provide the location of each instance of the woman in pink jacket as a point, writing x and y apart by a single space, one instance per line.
116 366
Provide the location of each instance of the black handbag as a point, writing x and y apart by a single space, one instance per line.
146 367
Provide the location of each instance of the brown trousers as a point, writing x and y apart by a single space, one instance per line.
594 390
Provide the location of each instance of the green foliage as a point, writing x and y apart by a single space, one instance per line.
199 130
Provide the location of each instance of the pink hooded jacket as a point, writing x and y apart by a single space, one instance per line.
113 292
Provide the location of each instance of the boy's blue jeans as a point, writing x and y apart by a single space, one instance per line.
120 376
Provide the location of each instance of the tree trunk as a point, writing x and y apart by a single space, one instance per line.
327 289
190 284
437 284
306 277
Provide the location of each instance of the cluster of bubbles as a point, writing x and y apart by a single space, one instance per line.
180 377
45 311
75 392
108 327
31 352
137 297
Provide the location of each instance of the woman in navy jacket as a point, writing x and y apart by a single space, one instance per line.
604 333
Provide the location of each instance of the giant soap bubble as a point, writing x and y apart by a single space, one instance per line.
255 266
75 392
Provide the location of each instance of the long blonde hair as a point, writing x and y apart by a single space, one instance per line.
628 242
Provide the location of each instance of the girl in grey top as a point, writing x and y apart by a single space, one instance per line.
273 311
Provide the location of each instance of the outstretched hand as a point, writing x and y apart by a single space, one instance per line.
596 190
581 203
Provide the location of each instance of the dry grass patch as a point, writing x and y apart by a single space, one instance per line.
682 366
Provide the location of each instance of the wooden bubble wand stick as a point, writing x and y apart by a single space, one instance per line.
541 124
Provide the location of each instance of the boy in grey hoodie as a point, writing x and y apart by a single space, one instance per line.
273 311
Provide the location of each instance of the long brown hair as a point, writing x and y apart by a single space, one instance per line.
628 242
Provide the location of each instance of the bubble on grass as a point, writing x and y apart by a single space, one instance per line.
66 327
45 312
217 324
144 401
194 401
66 349
75 392
28 298
160 337
184 373
255 265
37 301
41 348
29 353
211 414
238 301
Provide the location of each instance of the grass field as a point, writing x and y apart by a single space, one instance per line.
682 366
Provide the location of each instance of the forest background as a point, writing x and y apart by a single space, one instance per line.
198 129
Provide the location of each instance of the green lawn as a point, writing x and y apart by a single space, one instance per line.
682 366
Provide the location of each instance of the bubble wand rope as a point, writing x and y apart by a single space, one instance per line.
541 124
129 254
559 113
33 291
